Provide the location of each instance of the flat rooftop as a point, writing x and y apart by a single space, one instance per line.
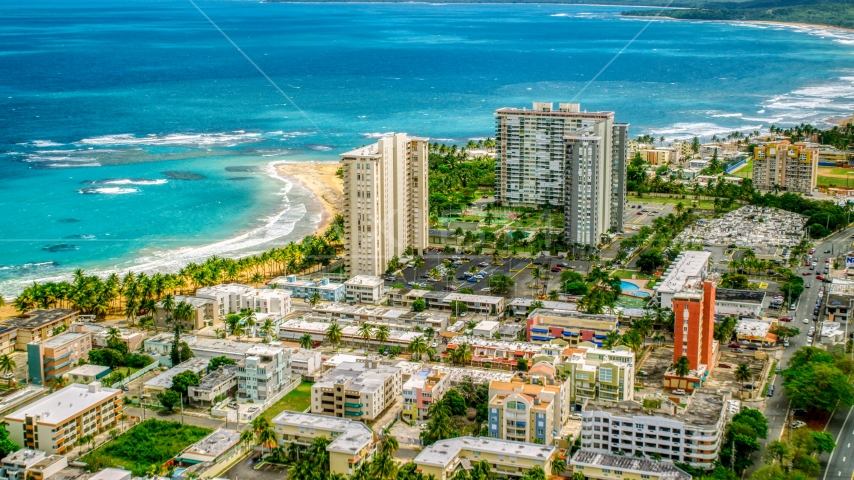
362 378
215 444
196 302
704 409
364 281
88 370
35 319
217 377
66 403
63 338
352 436
643 466
219 346
743 296
164 380
687 265
547 304
230 288
489 344
443 452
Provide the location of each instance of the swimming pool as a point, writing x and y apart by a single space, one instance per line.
630 288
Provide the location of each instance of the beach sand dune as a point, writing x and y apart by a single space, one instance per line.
320 178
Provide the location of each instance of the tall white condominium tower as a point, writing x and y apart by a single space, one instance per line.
385 202
567 158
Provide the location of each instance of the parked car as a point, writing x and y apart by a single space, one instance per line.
786 319
734 345
770 392
798 424
556 269
640 213
434 344
678 391
807 285
724 365
807 273
483 264
799 412
827 251
819 277
563 264
575 416
737 350
752 347
786 342
807 320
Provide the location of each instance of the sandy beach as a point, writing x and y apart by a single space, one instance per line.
319 177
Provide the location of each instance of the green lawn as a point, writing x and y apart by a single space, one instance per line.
297 401
746 171
628 274
152 442
686 202
834 181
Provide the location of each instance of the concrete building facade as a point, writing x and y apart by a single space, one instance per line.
264 371
56 356
385 202
790 167
506 458
357 390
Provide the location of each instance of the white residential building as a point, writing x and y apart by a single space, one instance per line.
306 362
234 297
486 328
689 434
597 374
364 289
214 386
263 372
422 390
567 158
358 390
385 202
505 458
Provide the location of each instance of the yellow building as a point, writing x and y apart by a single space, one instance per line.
506 458
605 466
527 412
40 324
789 167
353 443
655 156
56 422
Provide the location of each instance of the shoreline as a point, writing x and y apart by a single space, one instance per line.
747 22
318 177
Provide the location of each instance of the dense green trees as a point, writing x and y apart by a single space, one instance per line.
217 362
818 380
743 432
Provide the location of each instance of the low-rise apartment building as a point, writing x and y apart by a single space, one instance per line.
234 297
306 362
162 382
8 338
606 466
293 330
214 386
359 390
486 329
520 307
422 390
328 291
840 297
353 443
221 445
597 375
55 423
572 327
689 434
505 458
496 353
364 289
205 310
739 303
40 324
528 412
399 318
86 374
54 357
31 464
264 371
485 304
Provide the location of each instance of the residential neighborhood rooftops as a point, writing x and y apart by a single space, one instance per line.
352 437
164 380
196 302
639 465
63 338
688 264
35 319
63 404
743 296
364 281
215 444
88 370
363 378
443 452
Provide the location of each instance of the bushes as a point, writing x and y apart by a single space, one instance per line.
152 442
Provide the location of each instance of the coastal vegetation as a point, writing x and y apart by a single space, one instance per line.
137 294
145 448
831 13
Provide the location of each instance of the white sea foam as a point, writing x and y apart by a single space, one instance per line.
814 103
130 181
377 134
107 191
71 165
682 131
45 143
726 115
202 139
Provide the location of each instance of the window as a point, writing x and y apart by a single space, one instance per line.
605 375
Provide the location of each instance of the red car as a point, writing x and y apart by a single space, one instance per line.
724 365
556 269
819 277
734 345
785 319
812 250
826 260
640 213
807 273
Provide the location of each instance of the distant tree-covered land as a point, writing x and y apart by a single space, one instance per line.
832 13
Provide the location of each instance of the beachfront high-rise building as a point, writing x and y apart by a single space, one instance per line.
385 202
567 158
791 167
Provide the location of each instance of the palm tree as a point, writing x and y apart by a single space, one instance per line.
366 331
184 313
742 373
267 438
168 305
305 341
558 467
7 365
611 340
430 332
267 328
334 334
220 333
390 445
417 263
382 333
463 353
314 299
418 346
682 367
247 437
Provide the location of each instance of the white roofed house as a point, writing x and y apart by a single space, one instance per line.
365 289
234 297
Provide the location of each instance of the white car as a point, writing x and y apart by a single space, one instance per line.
678 391
434 344
798 424
807 321
575 416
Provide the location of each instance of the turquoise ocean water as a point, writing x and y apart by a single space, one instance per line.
133 135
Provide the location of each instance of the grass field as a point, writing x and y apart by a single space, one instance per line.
628 274
152 442
686 202
835 171
744 172
823 181
297 400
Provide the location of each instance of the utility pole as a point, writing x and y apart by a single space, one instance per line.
182 409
